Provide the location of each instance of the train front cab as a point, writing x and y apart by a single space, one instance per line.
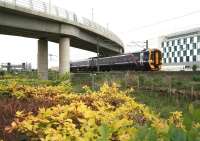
155 59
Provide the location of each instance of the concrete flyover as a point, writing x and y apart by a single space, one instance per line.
37 19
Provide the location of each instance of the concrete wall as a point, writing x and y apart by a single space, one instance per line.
64 63
43 59
14 21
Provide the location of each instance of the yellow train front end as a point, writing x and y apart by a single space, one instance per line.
155 59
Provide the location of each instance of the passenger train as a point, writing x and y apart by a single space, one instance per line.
146 60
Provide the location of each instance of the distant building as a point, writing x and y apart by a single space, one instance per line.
20 67
181 50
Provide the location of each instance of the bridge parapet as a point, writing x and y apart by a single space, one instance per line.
42 7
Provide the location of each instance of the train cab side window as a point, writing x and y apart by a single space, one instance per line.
146 56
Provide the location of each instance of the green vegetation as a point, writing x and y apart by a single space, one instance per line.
32 109
107 114
194 67
155 102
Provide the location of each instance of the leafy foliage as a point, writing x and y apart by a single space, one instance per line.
194 67
59 114
105 115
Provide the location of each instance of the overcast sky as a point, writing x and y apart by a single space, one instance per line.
131 20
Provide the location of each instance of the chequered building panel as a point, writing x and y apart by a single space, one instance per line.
181 50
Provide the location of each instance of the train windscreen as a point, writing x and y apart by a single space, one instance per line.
153 57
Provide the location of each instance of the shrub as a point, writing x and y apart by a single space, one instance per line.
196 78
105 115
194 67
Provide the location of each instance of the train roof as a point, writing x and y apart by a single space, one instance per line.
82 60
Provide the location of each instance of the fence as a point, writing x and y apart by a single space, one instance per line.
178 84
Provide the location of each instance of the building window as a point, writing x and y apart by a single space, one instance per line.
187 58
172 54
191 39
165 60
185 40
167 54
170 60
187 46
168 43
162 44
165 50
181 59
179 53
198 52
181 47
191 52
175 48
194 58
184 53
175 60
173 42
194 45
170 49
179 41
198 38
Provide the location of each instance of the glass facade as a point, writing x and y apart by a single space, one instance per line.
181 49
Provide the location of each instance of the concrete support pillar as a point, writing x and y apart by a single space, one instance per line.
42 62
64 63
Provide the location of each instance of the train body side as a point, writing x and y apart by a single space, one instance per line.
147 60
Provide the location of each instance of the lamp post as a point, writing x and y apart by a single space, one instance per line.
147 44
98 55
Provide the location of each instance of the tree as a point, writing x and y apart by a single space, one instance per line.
2 74
194 67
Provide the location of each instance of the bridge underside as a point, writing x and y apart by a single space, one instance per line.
74 41
26 25
45 29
